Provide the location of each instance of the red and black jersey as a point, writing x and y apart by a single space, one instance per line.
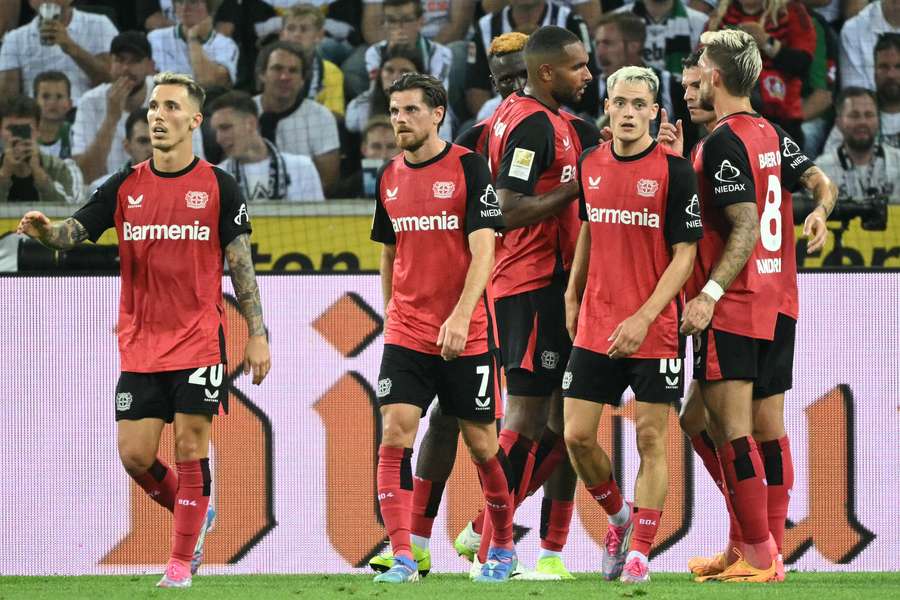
637 208
474 137
172 228
531 150
747 159
428 210
781 79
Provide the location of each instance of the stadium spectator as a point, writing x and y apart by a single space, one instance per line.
859 36
673 31
818 88
862 167
374 101
136 145
378 146
194 47
52 93
524 16
296 125
100 121
250 23
787 41
261 171
588 10
74 42
444 21
27 174
156 14
887 93
620 42
304 25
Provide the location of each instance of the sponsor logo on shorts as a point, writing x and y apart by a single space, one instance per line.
123 401
670 366
549 360
482 403
211 395
384 387
443 189
567 380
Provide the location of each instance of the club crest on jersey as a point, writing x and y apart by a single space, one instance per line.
549 359
391 194
594 182
647 187
135 202
567 380
775 86
384 387
443 189
123 401
196 199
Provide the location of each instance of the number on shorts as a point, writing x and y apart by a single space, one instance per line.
485 372
771 241
669 365
215 376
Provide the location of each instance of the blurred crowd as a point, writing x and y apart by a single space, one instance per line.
296 105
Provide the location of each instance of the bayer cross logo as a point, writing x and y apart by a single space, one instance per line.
196 200
443 189
647 187
549 360
384 387
567 380
123 401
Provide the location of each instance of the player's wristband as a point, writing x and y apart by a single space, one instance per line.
713 290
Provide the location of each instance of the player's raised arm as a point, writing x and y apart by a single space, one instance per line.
61 235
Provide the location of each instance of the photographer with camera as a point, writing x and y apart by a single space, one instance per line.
866 172
27 175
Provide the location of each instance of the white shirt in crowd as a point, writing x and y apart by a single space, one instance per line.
22 49
255 179
310 130
171 52
890 132
90 116
881 176
858 37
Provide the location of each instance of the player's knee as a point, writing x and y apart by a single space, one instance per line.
136 461
692 422
442 426
579 441
651 443
187 447
393 434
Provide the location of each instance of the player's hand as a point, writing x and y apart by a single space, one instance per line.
118 95
815 230
34 224
453 335
697 314
628 336
573 307
54 32
200 31
256 358
671 135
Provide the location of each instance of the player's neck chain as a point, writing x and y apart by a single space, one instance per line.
279 178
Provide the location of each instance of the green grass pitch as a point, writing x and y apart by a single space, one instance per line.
665 586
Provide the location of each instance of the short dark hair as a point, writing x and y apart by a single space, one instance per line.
693 59
433 92
21 106
632 27
52 76
194 89
549 39
136 116
853 92
262 61
886 41
235 100
419 10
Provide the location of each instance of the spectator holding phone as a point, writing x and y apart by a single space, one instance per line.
26 174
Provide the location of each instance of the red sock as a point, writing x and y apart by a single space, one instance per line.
555 518
607 494
646 522
706 450
395 487
551 451
497 498
161 484
426 499
779 466
743 469
191 502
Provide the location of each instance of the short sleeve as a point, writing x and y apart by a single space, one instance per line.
225 53
727 167
98 214
683 223
529 150
10 52
482 204
234 220
469 138
324 131
382 230
794 162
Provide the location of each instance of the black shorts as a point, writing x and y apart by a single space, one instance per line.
160 395
467 387
721 355
534 342
599 378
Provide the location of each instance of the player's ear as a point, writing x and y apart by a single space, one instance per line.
606 106
546 72
654 110
196 120
438 113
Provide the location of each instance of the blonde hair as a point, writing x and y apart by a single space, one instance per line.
507 44
194 89
736 56
772 10
298 11
634 74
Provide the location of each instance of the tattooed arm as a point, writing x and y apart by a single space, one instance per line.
243 278
61 235
825 195
744 234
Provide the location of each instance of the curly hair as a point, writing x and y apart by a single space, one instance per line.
507 43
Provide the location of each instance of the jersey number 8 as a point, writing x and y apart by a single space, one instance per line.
770 221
